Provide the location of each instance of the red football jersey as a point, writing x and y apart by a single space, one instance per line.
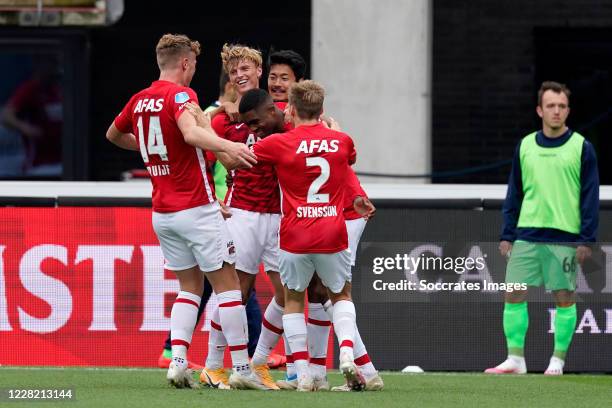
254 189
282 106
178 170
353 185
312 164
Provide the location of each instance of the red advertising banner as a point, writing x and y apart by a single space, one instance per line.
86 287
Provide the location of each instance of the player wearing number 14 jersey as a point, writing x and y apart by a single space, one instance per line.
186 216
312 164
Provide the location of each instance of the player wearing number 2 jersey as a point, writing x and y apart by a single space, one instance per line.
186 218
285 67
261 114
312 163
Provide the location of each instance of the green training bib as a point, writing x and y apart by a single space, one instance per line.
551 184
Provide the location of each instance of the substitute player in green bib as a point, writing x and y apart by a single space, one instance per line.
550 217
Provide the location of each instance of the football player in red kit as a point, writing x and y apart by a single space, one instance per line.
312 163
186 215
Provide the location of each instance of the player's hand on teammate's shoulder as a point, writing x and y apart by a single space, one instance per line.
242 156
287 116
231 110
330 123
202 119
334 125
364 207
582 253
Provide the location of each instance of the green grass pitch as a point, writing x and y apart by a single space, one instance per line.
110 387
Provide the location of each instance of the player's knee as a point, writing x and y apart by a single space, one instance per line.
294 301
192 287
247 282
279 299
516 296
337 297
564 298
344 294
191 280
279 295
224 279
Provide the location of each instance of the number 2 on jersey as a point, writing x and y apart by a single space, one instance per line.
313 191
155 141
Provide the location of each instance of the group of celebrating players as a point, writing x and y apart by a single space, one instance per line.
294 205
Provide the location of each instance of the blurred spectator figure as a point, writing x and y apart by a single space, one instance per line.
12 154
35 111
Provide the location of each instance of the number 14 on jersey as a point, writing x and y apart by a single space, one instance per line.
155 140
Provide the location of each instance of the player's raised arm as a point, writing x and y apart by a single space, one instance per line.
238 154
266 150
202 118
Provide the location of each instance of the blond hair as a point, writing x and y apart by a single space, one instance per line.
307 98
231 54
172 46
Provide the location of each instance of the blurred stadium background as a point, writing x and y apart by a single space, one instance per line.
435 93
